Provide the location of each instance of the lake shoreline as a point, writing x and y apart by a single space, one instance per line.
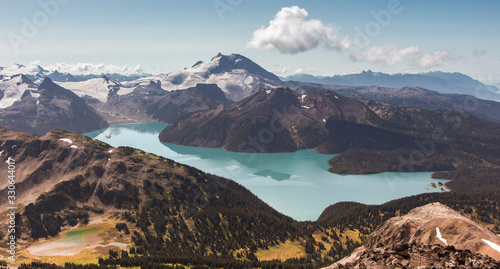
296 184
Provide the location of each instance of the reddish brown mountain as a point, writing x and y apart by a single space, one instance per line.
431 235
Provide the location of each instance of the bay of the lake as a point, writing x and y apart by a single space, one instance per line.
296 184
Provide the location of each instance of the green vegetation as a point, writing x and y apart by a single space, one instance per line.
445 142
472 190
366 161
181 217
42 217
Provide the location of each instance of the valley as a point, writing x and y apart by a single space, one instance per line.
339 229
224 165
233 134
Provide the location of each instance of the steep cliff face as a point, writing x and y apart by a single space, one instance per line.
431 235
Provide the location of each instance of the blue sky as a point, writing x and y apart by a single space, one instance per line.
164 36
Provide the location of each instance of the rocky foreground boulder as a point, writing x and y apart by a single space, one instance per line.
419 256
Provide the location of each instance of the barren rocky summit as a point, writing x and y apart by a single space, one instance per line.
431 236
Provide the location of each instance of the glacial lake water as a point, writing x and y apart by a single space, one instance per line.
72 242
296 184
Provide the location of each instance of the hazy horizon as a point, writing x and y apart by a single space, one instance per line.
284 37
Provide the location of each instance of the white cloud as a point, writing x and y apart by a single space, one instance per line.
88 68
389 55
386 55
435 59
304 71
282 71
291 32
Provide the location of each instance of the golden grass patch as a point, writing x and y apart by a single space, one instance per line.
282 251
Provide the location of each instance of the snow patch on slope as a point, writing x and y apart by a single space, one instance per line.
67 140
492 245
438 235
35 94
235 82
13 89
98 88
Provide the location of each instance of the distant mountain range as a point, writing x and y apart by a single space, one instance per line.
236 75
411 97
442 82
239 77
37 73
121 98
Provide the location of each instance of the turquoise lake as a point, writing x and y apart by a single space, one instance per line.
296 184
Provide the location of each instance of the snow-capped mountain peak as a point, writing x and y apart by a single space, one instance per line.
235 74
32 71
13 87
197 63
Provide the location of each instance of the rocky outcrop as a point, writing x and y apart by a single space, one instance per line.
419 256
431 236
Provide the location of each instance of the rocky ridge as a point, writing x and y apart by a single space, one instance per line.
431 236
